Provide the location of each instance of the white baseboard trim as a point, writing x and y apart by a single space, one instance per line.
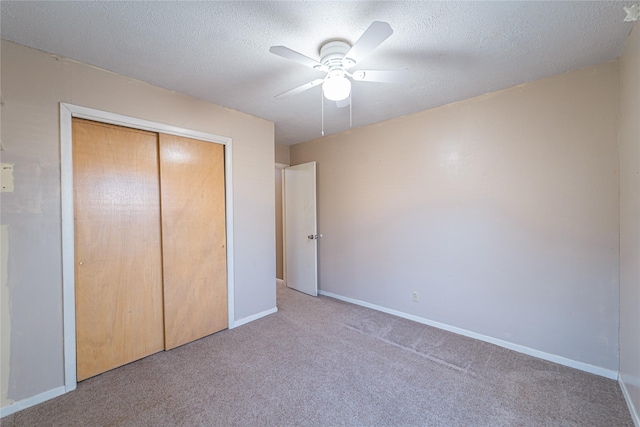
632 409
47 395
256 316
31 401
603 372
280 282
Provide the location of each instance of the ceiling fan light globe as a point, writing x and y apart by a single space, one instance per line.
336 88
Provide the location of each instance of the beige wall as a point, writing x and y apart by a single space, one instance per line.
282 154
33 84
5 319
629 143
500 211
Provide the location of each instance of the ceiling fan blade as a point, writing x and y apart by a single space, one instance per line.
381 76
343 103
372 38
300 89
287 53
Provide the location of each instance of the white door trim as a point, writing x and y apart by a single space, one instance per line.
67 112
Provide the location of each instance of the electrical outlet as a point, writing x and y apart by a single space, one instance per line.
414 296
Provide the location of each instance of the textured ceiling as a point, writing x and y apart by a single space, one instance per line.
219 51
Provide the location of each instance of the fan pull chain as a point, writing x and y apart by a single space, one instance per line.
322 109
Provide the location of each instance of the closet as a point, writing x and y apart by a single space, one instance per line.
149 226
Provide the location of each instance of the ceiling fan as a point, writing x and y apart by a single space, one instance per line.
337 58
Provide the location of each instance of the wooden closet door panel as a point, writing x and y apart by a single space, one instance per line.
193 238
119 312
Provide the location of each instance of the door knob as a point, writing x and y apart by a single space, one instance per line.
314 236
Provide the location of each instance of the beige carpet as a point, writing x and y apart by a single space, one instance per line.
322 362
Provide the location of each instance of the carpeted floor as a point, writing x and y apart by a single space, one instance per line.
323 362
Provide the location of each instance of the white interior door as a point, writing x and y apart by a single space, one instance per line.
301 234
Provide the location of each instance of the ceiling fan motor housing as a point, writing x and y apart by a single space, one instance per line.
332 55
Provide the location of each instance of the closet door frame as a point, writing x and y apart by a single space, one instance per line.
67 112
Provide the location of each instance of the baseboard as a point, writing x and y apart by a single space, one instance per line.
257 316
632 408
280 282
47 395
603 372
31 401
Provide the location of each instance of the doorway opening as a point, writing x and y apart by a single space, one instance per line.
279 225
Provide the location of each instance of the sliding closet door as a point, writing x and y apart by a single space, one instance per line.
119 307
193 238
